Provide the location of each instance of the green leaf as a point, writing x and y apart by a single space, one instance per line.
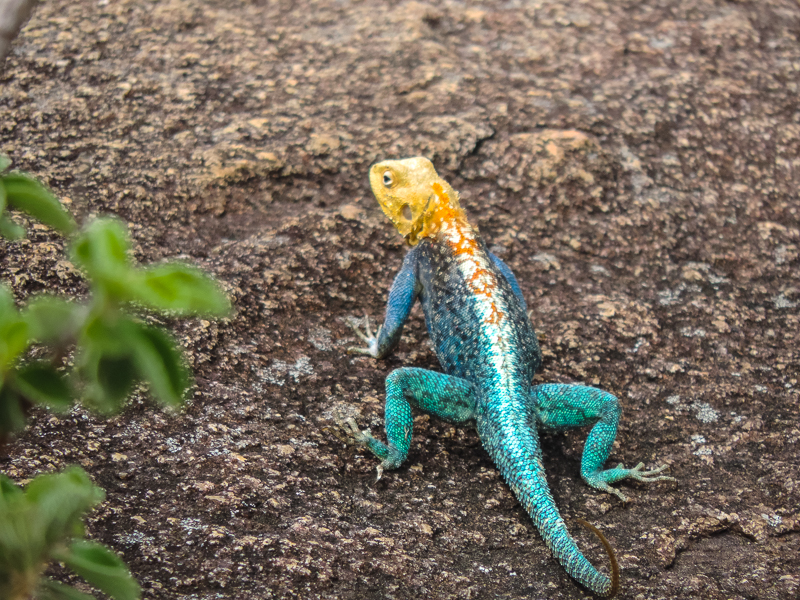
182 289
11 230
116 377
102 250
12 415
104 334
13 330
160 363
37 524
109 379
13 340
5 162
116 355
71 481
101 568
60 501
41 384
105 362
52 320
8 229
30 196
9 491
54 590
8 310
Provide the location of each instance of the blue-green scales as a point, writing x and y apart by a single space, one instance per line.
478 323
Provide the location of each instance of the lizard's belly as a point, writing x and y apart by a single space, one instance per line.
479 330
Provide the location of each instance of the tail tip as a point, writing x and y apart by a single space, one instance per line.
612 591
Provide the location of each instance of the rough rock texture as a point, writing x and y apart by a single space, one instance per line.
635 163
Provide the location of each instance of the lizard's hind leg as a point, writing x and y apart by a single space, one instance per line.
444 396
560 406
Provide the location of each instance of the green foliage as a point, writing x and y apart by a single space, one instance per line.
103 251
40 383
44 523
114 350
13 411
22 192
182 290
33 383
53 590
54 320
116 354
13 330
102 568
159 362
9 229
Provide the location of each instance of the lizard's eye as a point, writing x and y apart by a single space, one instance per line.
387 178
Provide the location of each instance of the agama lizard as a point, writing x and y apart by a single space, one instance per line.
476 318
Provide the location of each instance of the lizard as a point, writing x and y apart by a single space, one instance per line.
477 320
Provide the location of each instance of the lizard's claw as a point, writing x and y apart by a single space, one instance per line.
352 434
349 433
368 337
364 336
637 474
341 431
601 485
601 479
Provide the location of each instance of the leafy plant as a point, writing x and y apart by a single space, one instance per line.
43 524
114 349
22 192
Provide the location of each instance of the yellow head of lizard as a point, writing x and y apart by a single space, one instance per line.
414 197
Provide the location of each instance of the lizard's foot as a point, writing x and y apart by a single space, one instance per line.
602 479
349 433
352 434
368 337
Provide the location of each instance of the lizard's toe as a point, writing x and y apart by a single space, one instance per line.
359 350
370 339
348 432
649 476
617 493
601 479
611 490
356 327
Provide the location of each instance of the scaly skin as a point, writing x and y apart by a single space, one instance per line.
477 321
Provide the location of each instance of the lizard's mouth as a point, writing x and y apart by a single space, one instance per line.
415 224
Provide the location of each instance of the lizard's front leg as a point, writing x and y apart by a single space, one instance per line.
561 406
444 396
404 292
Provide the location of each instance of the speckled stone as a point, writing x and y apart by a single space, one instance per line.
635 164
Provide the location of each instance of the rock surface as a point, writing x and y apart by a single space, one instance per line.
635 163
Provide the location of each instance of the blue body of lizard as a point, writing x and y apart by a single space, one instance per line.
476 318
